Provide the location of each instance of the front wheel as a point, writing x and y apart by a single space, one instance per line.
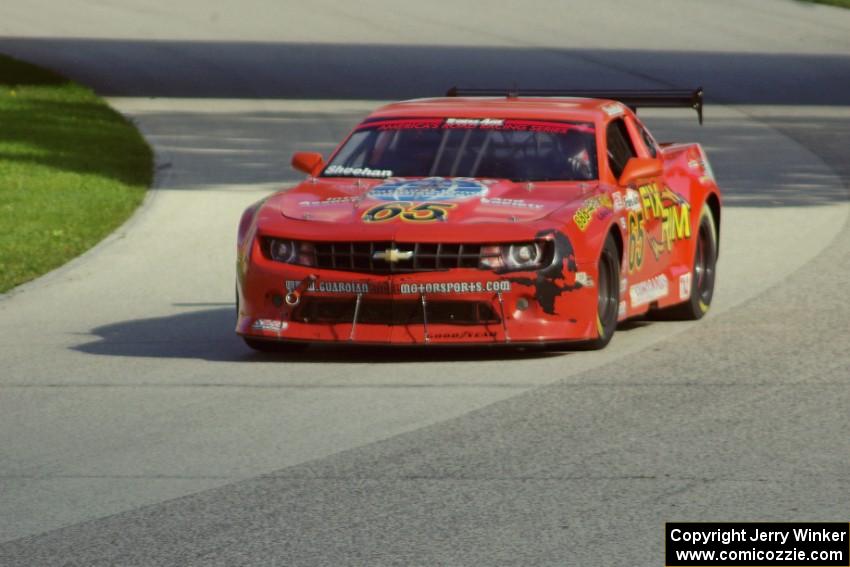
608 297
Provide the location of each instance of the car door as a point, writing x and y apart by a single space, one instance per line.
641 204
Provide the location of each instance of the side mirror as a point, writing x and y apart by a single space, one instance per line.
640 168
308 162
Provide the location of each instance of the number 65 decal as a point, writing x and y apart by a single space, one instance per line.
425 212
636 241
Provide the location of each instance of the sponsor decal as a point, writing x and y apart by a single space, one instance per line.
612 109
474 123
455 287
674 213
632 201
326 286
549 126
584 214
619 203
406 124
584 279
465 335
621 311
407 211
624 286
328 201
413 288
269 325
430 189
516 203
650 290
559 277
708 170
662 204
685 286
342 171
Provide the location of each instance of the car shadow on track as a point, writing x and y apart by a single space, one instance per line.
207 334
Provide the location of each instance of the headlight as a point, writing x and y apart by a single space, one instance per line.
521 256
290 251
282 250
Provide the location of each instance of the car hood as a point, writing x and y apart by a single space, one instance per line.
467 200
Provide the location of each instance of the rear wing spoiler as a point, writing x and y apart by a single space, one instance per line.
659 98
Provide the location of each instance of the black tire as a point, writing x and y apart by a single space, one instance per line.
703 274
608 296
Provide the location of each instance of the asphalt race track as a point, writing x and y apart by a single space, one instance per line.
137 429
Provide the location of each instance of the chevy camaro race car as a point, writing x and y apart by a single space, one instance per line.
482 218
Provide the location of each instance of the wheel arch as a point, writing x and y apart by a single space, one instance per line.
713 203
614 231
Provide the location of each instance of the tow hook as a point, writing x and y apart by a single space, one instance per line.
293 298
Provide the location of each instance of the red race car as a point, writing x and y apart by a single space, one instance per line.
484 218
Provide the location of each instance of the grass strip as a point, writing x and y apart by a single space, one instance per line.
71 170
840 3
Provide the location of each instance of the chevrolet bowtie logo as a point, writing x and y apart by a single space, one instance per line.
393 255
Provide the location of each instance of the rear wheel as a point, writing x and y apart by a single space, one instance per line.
608 297
703 274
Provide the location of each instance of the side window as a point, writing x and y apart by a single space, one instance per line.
620 147
649 142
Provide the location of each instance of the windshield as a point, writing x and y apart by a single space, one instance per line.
519 150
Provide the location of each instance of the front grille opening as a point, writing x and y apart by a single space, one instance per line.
407 256
416 257
388 312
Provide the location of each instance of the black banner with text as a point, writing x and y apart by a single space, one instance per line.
765 544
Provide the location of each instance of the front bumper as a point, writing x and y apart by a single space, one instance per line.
460 306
